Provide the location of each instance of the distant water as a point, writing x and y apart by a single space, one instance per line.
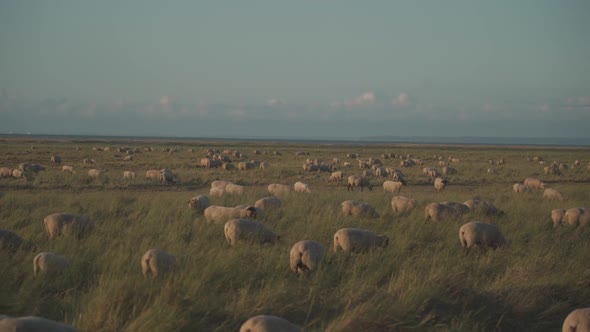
540 141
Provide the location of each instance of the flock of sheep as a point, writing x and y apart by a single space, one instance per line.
242 223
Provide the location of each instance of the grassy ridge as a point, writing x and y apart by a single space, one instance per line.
422 281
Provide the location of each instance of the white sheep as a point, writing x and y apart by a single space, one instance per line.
268 203
572 216
216 192
359 181
233 188
264 165
33 324
392 186
199 203
277 189
96 173
300 187
247 230
402 204
267 323
479 234
358 240
68 168
152 174
5 172
439 212
215 214
534 183
483 207
17 173
156 262
305 256
336 177
128 175
358 209
552 194
520 188
557 216
49 262
440 184
577 321
66 224
55 159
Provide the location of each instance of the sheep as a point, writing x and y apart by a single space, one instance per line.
33 324
305 256
67 168
300 187
17 173
438 212
552 194
572 216
247 230
95 173
520 188
268 203
267 323
156 262
49 262
557 216
483 207
5 172
128 175
232 188
218 192
9 240
358 181
358 240
336 177
392 186
440 184
534 183
358 209
65 224
88 161
551 170
402 204
480 234
264 165
446 170
55 159
460 207
219 214
577 321
165 176
199 203
128 158
277 189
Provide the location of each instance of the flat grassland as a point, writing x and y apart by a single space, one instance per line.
424 280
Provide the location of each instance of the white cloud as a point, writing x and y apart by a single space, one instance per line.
402 99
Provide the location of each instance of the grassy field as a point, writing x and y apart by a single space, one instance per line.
423 281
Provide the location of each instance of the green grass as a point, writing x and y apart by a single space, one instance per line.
423 280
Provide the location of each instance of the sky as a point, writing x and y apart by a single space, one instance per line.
273 68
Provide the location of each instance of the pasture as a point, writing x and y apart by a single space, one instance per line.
423 280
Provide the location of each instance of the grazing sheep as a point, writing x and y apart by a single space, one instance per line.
165 176
156 262
358 181
551 170
402 204
220 184
49 262
218 192
66 224
277 189
267 323
440 184
152 174
534 183
247 230
520 188
358 209
55 159
9 240
216 214
264 165
33 324
236 189
17 173
483 207
268 203
572 216
479 234
96 173
5 172
128 158
446 170
305 256
392 186
67 168
358 240
199 203
552 194
577 321
128 175
336 177
557 216
300 187
438 212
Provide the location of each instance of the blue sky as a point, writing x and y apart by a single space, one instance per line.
296 68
